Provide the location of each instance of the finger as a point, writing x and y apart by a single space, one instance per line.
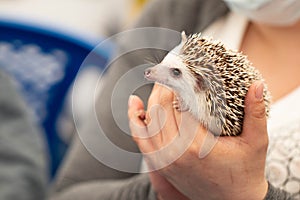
136 111
170 128
137 125
160 109
255 122
154 116
194 135
139 135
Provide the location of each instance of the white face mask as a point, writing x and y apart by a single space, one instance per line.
273 12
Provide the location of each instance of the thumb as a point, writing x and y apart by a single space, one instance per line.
255 122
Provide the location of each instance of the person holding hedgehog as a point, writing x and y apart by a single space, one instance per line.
261 163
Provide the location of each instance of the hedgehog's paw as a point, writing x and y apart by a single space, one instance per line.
179 106
176 105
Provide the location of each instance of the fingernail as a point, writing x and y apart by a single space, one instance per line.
130 100
259 92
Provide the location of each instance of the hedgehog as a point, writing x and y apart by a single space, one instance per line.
210 81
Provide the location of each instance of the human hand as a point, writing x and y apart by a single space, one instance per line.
228 167
163 188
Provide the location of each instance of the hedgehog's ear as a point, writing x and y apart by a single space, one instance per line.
183 37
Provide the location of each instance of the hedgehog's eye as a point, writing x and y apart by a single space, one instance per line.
176 72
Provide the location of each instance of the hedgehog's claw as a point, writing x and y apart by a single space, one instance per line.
178 106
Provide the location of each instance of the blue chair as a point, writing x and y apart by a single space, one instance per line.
44 63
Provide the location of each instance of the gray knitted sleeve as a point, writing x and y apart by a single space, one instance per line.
134 188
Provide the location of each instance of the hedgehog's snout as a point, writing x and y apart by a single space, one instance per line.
151 74
156 73
147 72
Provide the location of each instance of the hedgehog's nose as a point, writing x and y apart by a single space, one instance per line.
147 72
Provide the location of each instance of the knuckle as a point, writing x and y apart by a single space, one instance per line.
258 111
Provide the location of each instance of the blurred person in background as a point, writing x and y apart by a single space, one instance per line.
23 154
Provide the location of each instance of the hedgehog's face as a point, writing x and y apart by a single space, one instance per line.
169 75
173 73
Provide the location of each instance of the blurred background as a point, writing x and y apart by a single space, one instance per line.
92 17
43 44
